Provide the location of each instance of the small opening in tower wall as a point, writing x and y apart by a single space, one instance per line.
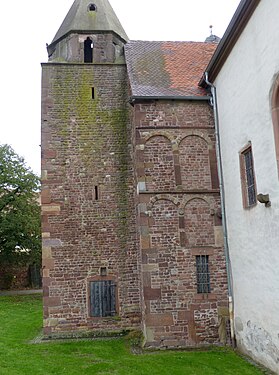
103 271
93 92
92 8
88 51
96 193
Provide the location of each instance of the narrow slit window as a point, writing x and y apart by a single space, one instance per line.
96 191
93 92
88 51
203 275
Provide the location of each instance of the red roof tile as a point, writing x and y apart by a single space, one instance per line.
160 69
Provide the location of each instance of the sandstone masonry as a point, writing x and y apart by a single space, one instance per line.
130 197
178 208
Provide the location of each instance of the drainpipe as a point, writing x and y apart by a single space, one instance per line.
223 208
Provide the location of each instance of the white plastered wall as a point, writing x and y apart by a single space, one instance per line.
244 104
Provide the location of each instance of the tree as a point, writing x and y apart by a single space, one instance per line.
20 228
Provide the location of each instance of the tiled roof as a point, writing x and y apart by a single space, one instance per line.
163 69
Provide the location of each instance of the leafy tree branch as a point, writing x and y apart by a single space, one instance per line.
20 231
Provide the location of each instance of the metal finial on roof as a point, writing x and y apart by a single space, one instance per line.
212 38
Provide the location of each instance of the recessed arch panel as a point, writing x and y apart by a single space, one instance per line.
159 164
199 223
164 227
195 163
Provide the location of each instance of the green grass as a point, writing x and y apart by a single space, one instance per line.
20 322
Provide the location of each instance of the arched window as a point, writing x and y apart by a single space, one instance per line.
275 117
88 51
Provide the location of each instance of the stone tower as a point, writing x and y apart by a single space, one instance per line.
90 248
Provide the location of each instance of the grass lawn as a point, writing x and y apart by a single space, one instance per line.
21 320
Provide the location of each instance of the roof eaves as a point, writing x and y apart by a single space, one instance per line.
173 97
240 19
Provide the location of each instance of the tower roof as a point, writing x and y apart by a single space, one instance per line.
87 15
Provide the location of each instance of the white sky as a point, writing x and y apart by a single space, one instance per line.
27 26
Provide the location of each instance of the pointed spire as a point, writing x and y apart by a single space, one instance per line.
90 15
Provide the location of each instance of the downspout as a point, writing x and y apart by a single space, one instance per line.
223 208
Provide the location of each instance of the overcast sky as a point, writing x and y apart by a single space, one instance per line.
27 26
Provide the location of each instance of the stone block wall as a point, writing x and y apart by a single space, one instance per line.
88 187
129 195
106 48
179 219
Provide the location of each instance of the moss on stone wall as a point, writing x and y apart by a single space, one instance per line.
89 128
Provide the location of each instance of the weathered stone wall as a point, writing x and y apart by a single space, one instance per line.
179 219
86 150
107 48
168 158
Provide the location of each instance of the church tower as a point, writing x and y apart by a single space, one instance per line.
90 260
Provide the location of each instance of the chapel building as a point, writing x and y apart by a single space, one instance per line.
132 226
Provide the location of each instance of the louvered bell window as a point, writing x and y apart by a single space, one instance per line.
102 298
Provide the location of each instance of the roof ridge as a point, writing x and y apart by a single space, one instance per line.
169 41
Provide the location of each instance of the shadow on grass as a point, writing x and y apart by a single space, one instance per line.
21 321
